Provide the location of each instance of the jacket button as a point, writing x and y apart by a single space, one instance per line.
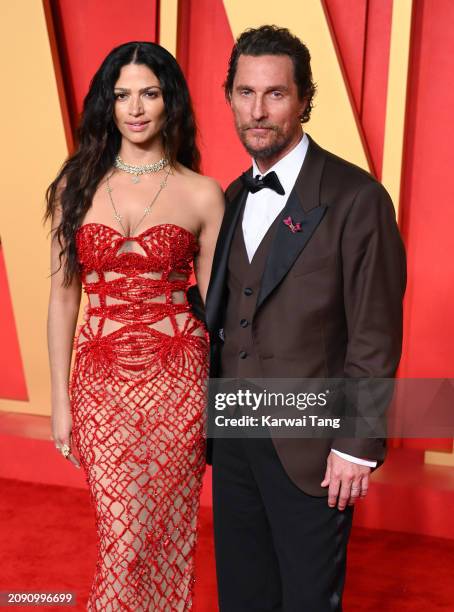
243 355
248 291
244 322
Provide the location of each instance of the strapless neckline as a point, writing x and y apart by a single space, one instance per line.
146 231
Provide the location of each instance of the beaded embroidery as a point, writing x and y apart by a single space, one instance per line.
138 405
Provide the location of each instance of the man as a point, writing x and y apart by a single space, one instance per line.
307 282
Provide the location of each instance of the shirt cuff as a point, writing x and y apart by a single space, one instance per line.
357 460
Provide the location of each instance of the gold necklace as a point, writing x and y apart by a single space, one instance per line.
138 170
147 209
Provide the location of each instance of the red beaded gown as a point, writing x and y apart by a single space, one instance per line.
138 392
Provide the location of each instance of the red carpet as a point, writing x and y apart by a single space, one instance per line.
47 544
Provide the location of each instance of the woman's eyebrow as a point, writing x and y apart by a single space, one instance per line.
125 90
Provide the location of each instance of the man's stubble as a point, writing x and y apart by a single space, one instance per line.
280 142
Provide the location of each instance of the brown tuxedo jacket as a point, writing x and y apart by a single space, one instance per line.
328 302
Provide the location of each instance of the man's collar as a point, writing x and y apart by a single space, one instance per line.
288 167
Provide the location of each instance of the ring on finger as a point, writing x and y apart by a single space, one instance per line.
65 451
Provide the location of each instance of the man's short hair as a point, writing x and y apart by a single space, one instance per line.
272 40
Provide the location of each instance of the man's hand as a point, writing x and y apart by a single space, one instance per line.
347 481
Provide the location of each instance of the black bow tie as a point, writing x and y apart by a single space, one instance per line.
269 181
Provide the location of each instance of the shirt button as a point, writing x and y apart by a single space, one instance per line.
244 322
248 291
243 355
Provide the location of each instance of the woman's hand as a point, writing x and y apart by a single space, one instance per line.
62 427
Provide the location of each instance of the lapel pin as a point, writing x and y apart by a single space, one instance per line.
294 227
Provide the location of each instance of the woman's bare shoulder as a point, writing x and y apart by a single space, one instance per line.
204 191
195 179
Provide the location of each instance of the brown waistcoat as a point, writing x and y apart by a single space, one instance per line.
239 357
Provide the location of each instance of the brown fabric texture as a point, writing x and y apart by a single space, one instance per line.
326 301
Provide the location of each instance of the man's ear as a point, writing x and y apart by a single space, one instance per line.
303 107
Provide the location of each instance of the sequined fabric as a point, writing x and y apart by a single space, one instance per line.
137 400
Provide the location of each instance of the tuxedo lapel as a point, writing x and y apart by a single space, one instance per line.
303 206
216 289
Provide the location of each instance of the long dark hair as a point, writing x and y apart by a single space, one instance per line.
99 139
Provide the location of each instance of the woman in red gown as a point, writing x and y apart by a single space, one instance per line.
130 219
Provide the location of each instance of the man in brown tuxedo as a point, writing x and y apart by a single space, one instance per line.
307 282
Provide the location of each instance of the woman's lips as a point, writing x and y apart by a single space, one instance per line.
139 126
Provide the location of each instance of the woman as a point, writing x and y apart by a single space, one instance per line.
130 216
